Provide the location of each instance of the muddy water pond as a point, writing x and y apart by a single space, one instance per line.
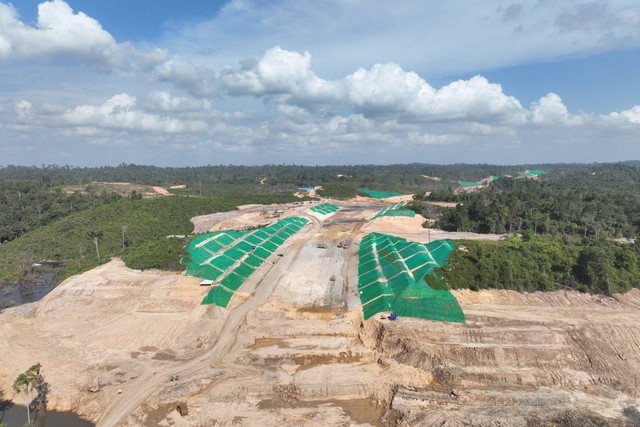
14 294
16 416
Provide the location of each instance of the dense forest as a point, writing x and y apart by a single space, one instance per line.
26 205
534 263
413 177
596 202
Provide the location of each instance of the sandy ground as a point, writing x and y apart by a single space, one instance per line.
292 348
123 188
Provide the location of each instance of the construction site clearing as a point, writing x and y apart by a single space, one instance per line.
292 346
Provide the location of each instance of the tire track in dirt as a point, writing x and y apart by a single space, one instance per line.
139 390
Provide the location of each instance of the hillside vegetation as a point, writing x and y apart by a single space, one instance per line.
545 264
599 202
27 205
136 230
337 191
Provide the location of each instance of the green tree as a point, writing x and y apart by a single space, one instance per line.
27 382
594 268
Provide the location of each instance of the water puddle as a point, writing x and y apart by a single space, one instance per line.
16 416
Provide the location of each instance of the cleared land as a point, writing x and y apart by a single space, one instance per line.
122 188
292 347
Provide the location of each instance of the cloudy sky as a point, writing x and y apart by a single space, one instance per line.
177 83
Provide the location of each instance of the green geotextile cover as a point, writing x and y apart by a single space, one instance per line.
469 184
325 208
531 173
394 210
401 212
393 276
230 257
377 194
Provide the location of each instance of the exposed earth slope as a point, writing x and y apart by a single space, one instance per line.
292 348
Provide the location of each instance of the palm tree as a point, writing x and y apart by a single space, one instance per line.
26 382
95 236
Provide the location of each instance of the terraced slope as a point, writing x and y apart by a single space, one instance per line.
325 209
398 275
394 210
230 257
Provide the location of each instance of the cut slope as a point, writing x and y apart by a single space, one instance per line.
394 210
230 257
397 275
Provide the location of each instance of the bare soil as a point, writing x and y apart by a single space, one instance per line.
292 348
122 188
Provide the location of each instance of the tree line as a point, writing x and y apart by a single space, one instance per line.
26 205
395 177
534 263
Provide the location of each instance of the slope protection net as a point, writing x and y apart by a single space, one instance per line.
325 209
469 184
530 173
229 257
377 194
399 276
394 210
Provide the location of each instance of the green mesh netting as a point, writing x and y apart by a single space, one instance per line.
244 270
398 275
230 257
377 194
394 210
232 281
531 173
270 246
325 208
218 296
401 212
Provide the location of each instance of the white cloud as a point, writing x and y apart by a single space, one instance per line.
626 117
550 110
166 102
24 111
280 72
59 31
198 80
118 113
438 37
382 90
365 89
387 88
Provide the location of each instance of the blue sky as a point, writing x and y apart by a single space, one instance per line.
133 19
291 81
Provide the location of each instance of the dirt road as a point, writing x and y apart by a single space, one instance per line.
140 389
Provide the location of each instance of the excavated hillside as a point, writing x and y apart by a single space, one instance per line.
124 348
560 358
